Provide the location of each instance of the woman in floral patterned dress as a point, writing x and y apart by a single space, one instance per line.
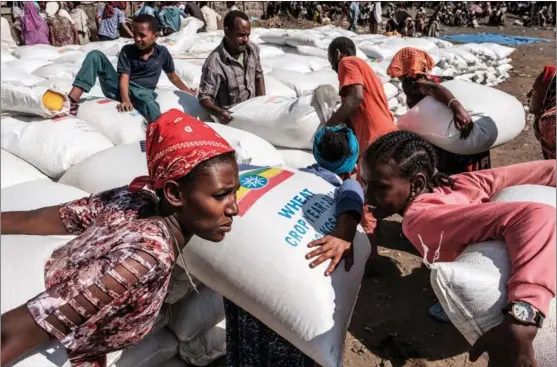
105 288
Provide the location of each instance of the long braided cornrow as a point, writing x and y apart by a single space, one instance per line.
411 154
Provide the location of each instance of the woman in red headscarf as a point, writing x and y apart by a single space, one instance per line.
412 66
104 289
542 106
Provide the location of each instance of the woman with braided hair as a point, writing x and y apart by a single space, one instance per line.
412 67
400 173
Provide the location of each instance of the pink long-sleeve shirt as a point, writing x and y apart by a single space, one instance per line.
465 216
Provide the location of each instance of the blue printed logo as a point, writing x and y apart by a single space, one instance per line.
253 182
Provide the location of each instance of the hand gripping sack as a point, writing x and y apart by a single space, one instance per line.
286 122
473 288
39 101
261 264
15 170
174 98
38 194
54 145
118 127
493 125
22 267
196 313
206 348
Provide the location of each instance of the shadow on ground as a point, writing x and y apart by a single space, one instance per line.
390 318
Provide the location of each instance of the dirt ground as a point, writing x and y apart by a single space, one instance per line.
390 326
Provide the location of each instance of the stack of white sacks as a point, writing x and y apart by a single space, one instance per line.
48 154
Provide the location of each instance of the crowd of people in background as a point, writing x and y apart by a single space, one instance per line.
62 23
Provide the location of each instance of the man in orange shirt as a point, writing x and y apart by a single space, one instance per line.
364 105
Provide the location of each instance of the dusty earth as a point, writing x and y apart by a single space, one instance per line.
390 326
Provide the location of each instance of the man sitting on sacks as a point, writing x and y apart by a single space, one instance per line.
139 68
232 73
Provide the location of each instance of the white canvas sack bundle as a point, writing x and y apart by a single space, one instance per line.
23 259
118 127
180 100
280 212
58 70
29 100
108 169
493 125
196 313
26 65
286 122
274 87
297 158
53 146
275 36
302 64
15 170
206 348
65 85
154 350
181 41
6 56
250 148
312 51
17 76
303 83
189 72
303 38
473 288
38 194
118 166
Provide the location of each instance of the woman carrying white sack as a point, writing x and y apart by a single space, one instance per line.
412 66
248 341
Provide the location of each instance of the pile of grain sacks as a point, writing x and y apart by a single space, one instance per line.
46 151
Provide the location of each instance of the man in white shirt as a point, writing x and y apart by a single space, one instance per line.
212 18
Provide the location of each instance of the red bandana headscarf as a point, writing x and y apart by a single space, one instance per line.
410 62
176 144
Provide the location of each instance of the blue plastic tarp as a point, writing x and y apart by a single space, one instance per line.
493 38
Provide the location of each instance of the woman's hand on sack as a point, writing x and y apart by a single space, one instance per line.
508 344
463 120
124 107
331 248
225 117
337 245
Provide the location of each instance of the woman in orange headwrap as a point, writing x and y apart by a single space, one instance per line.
105 288
411 66
542 105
